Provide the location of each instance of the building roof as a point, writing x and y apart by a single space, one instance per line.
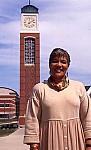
89 91
29 9
87 87
7 91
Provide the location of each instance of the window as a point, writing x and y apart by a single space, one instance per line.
4 116
4 105
29 50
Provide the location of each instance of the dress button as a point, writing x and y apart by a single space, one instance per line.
65 125
66 148
65 136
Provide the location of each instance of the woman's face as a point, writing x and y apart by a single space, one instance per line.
58 67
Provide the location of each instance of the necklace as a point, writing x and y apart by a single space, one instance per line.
64 84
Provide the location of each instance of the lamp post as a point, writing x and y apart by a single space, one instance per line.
29 2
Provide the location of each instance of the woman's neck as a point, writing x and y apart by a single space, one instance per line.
58 85
57 80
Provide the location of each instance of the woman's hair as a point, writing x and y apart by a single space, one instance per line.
59 52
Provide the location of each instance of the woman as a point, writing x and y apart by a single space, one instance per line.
58 115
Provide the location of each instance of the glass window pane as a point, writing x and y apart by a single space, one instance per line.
29 50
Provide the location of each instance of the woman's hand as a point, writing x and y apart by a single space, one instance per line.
88 144
88 148
34 146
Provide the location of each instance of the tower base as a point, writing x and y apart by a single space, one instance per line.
21 121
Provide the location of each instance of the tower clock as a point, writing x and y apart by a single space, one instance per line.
29 55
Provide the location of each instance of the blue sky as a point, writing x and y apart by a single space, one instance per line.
62 23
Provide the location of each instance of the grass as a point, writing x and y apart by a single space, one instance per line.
6 132
5 129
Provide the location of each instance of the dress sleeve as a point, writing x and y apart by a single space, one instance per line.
32 119
85 113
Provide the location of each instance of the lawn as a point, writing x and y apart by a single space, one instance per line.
6 132
8 126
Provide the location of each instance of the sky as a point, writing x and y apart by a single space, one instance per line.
62 23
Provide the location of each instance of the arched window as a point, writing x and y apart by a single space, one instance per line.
29 50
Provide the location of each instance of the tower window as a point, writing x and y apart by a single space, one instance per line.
29 50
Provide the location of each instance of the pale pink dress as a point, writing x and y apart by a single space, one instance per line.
58 120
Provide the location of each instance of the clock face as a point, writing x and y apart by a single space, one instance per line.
30 21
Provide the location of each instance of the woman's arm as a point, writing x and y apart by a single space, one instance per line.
85 116
32 119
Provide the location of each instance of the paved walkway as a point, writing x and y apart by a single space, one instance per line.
14 141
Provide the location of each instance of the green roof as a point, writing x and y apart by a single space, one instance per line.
29 9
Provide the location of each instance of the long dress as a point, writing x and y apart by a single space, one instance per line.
58 120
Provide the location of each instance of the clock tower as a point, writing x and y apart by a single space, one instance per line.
29 56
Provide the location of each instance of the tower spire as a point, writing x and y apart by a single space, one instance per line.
29 2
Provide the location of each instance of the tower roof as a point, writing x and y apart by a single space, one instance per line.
29 9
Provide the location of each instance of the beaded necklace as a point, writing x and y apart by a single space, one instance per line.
64 84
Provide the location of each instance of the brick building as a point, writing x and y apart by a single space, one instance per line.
9 103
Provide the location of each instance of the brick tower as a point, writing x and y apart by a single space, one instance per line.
29 55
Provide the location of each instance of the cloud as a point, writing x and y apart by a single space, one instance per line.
65 23
9 43
9 77
68 25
